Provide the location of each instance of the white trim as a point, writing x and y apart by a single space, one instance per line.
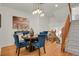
7 45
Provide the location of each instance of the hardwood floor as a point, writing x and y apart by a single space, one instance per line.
52 49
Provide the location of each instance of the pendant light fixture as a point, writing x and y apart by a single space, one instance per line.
38 11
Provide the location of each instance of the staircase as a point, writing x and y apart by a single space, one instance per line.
72 44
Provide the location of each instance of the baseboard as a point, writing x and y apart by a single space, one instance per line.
8 45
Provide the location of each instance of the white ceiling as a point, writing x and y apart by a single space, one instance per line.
32 6
29 7
46 7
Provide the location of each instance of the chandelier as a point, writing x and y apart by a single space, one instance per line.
38 11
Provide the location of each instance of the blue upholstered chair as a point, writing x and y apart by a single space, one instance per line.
19 44
40 43
22 32
45 33
25 32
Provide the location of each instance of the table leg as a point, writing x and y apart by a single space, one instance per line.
31 47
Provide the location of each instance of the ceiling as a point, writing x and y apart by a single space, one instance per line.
46 7
32 6
29 7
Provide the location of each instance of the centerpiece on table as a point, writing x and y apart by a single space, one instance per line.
31 32
24 36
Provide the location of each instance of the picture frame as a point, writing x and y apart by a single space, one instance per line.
20 23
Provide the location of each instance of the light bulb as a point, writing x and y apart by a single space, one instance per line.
56 5
34 12
37 10
40 11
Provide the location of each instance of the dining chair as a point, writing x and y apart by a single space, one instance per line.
19 43
25 32
40 43
45 33
21 32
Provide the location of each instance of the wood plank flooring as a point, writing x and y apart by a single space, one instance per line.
52 49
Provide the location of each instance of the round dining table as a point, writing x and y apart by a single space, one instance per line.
31 39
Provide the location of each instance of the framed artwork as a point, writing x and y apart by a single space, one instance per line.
0 20
20 23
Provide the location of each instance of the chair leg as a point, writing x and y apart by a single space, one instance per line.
18 51
39 51
26 48
44 49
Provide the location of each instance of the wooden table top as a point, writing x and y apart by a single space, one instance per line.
29 37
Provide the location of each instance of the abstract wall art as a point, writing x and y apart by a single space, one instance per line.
20 23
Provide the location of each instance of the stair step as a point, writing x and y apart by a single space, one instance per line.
73 38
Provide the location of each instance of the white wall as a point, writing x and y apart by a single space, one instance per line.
6 31
44 23
75 11
59 18
39 23
34 23
57 21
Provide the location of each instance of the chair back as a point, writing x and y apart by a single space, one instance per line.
16 38
21 32
44 32
25 32
16 32
41 40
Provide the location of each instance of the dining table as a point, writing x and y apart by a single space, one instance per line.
31 39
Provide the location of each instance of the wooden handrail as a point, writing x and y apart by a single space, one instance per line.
65 31
66 28
70 10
